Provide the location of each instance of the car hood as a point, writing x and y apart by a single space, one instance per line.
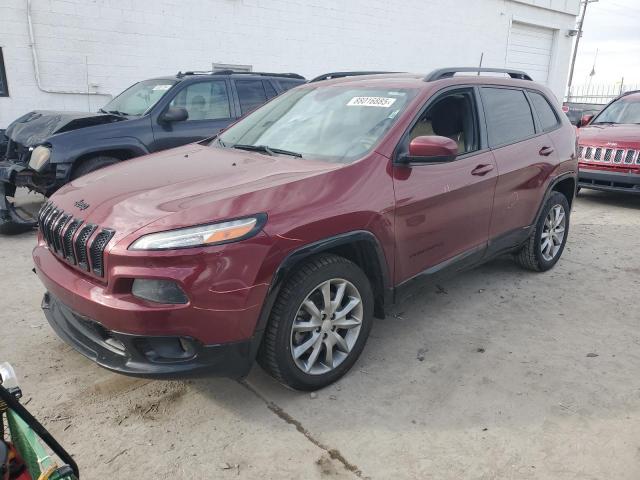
622 136
37 126
184 186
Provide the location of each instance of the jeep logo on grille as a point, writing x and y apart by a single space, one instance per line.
81 204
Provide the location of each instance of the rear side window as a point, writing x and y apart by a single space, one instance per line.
271 92
251 94
508 115
546 115
287 84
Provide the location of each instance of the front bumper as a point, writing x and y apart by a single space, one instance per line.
147 356
609 181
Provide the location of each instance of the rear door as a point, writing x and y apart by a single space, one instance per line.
251 94
210 109
443 210
524 155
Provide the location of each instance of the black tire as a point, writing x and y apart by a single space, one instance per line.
93 164
275 353
530 256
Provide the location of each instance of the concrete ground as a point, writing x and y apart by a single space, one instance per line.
497 373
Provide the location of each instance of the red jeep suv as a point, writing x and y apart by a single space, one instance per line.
283 236
609 151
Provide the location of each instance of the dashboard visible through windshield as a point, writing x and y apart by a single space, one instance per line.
332 123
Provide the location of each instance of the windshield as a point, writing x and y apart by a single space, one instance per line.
624 110
138 98
331 123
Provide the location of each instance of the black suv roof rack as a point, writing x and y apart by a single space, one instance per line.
332 75
230 72
450 72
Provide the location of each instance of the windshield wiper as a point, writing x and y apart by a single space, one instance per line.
266 149
604 123
115 112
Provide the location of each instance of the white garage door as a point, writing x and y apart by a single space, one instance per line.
530 49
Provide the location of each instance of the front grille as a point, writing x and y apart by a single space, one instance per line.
618 156
71 239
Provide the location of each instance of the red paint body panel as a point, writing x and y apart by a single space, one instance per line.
420 216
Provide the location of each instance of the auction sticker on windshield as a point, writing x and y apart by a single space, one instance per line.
162 87
384 102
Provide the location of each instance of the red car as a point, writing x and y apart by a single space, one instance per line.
609 151
283 236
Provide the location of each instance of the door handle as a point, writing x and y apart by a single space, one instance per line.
482 169
545 151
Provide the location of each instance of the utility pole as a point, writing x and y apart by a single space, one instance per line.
575 48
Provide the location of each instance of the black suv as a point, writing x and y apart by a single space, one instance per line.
45 149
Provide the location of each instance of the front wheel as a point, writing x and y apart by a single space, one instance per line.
319 323
549 237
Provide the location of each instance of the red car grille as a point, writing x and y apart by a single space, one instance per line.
73 240
603 155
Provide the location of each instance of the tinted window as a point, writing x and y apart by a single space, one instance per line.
545 112
271 92
204 100
4 89
452 116
251 94
287 84
508 115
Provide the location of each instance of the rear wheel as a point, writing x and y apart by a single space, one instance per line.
319 323
549 237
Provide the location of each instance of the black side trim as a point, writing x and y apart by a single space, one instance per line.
552 184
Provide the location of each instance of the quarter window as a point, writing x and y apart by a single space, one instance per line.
204 100
271 92
4 88
546 115
508 114
251 94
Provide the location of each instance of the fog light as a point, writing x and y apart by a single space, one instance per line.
159 291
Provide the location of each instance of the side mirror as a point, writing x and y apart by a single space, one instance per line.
174 114
431 149
585 119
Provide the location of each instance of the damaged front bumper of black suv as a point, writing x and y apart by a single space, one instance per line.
16 173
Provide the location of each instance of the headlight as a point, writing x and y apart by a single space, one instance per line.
39 157
213 234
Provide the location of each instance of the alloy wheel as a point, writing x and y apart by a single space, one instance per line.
326 326
553 232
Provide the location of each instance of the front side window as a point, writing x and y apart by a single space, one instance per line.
4 88
508 115
623 110
546 115
452 116
139 98
332 123
204 100
251 94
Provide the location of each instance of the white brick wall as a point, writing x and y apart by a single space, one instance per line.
117 42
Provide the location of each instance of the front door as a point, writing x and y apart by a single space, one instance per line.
443 210
208 104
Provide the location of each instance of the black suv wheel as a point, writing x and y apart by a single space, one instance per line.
319 323
546 243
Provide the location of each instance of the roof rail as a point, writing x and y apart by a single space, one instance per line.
629 92
450 72
332 75
229 72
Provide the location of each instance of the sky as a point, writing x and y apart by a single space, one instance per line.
612 27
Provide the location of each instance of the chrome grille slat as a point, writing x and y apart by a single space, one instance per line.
618 157
628 158
598 155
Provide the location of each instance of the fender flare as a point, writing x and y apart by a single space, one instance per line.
300 254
